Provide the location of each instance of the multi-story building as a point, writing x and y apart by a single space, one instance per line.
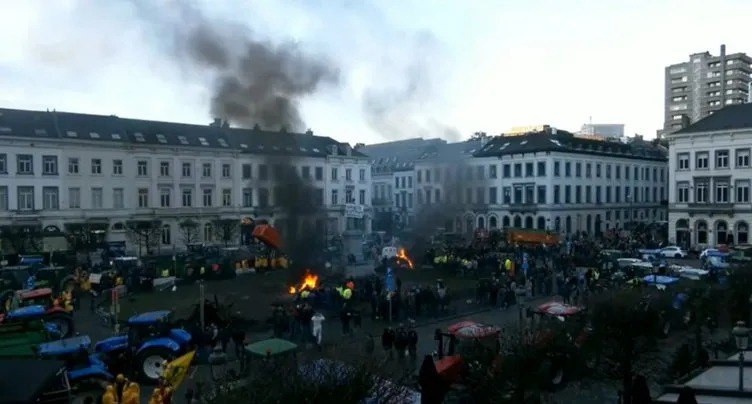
609 130
704 84
551 180
710 172
59 170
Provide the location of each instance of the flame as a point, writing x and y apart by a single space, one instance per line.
310 281
403 255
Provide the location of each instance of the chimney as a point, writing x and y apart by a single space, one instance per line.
348 149
225 125
217 123
256 128
309 132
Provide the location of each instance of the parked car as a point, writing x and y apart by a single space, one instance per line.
673 252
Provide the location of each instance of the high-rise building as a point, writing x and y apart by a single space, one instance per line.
703 85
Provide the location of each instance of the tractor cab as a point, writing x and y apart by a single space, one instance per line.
81 366
462 338
148 344
32 314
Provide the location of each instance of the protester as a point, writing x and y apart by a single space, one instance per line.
387 341
412 343
400 343
317 323
132 394
109 396
370 345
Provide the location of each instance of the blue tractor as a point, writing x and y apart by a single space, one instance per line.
58 323
86 372
149 343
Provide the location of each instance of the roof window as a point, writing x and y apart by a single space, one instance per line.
315 150
71 133
161 138
139 137
556 142
5 129
243 146
116 136
203 141
523 142
222 142
275 147
288 148
304 150
41 132
183 140
94 135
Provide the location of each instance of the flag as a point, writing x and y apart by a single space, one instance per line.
176 370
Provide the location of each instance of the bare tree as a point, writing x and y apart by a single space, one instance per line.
22 239
226 230
189 231
144 233
81 236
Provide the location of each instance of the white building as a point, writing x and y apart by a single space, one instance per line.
609 130
709 201
62 169
550 180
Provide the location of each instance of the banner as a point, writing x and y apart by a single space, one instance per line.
354 211
175 371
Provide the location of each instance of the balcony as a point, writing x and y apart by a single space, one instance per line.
711 208
523 208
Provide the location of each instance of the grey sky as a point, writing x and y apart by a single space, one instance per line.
407 68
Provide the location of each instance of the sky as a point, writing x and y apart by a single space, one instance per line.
405 68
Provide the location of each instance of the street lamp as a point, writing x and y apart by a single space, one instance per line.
741 334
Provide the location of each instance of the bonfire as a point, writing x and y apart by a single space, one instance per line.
309 282
401 254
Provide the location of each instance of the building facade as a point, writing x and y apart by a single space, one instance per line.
59 170
609 130
704 84
709 193
549 180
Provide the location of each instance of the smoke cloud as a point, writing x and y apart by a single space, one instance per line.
255 81
397 111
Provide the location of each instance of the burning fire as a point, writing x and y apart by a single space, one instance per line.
403 255
310 281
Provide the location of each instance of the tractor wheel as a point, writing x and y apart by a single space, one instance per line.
63 322
150 363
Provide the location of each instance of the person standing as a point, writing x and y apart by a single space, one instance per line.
387 341
400 343
412 344
317 325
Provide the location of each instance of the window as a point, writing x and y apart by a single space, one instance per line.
3 163
742 158
518 170
506 171
480 196
721 192
319 173
491 171
117 167
187 197
682 160
362 174
164 168
348 174
541 168
617 171
3 198
335 197
143 169
164 197
480 173
143 197
529 169
186 169
420 176
247 197
349 196
578 170
722 159
25 164
263 197
74 198
742 191
207 197
608 194
206 170
588 170
49 165
517 194
507 195
263 172
226 171
567 194
117 198
608 170
492 195
636 174
409 182
96 198
227 197
25 198
701 193
567 169
96 166
578 194
617 194
334 173
588 194
50 198
362 197
208 233
682 192
428 175
541 194
701 161
166 233
598 194
556 194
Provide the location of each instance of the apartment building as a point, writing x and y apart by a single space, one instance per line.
709 193
706 83
59 170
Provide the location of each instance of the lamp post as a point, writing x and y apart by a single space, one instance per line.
741 334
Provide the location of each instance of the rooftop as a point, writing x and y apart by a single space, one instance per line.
399 155
113 129
566 142
728 118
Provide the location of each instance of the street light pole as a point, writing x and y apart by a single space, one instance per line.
741 334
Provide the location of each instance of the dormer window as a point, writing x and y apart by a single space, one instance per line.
94 135
71 133
139 137
182 140
116 136
203 141
161 138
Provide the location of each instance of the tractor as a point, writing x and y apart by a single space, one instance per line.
53 316
86 372
148 344
19 339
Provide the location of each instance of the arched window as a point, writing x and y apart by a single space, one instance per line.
557 224
742 233
721 232
682 233
597 230
469 224
481 222
517 222
208 232
702 232
589 224
166 235
541 223
505 222
568 224
492 222
529 222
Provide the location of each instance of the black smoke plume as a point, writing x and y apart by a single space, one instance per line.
255 81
